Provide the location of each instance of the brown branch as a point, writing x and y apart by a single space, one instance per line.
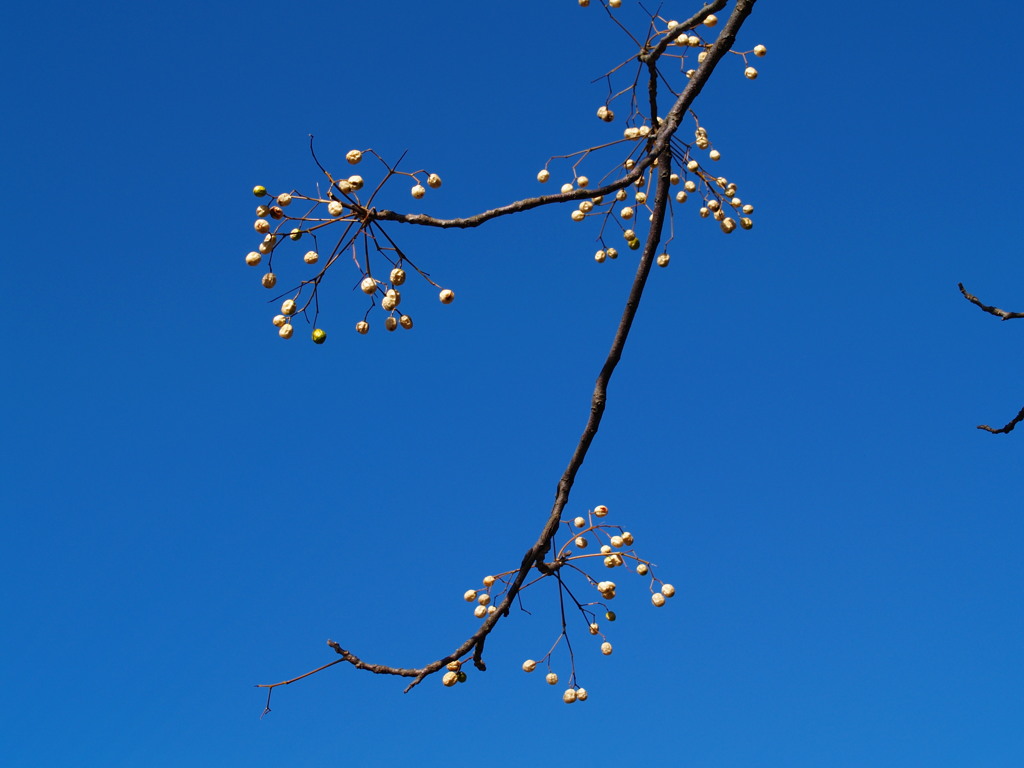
1001 313
659 150
1006 428
663 135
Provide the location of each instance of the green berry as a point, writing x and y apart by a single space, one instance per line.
259 191
319 336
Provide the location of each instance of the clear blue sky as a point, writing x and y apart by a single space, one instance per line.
192 505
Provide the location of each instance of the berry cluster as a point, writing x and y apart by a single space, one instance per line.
614 549
341 205
717 194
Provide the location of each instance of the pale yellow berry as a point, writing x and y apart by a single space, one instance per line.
335 208
368 285
353 156
284 199
450 679
280 320
480 611
689 74
581 694
609 562
760 50
529 665
269 280
616 541
285 331
311 257
719 215
433 181
668 590
714 154
690 186
489 580
680 197
569 697
614 3
714 205
597 200
390 324
612 253
405 321
627 537
362 327
606 648
629 163
693 165
586 206
543 176
582 182
492 609
594 629
620 195
663 259
253 258
605 114
580 522
580 542
288 307
746 223
356 182
645 130
447 296
642 569
748 209
470 595
397 276
484 599
728 225
583 3
344 186
673 179
629 234
453 666
600 510
262 210
418 191
693 41
626 213
704 212
702 56
641 197
577 216
658 599
735 202
391 299
631 133
750 73
599 256
606 549
551 678
566 188
710 20
262 226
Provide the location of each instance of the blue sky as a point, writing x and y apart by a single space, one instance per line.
192 505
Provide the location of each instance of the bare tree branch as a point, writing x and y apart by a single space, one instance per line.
658 154
1000 313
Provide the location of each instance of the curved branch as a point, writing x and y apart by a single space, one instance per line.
662 136
1001 313
659 150
1005 428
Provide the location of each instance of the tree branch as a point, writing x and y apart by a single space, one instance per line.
659 153
1001 313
